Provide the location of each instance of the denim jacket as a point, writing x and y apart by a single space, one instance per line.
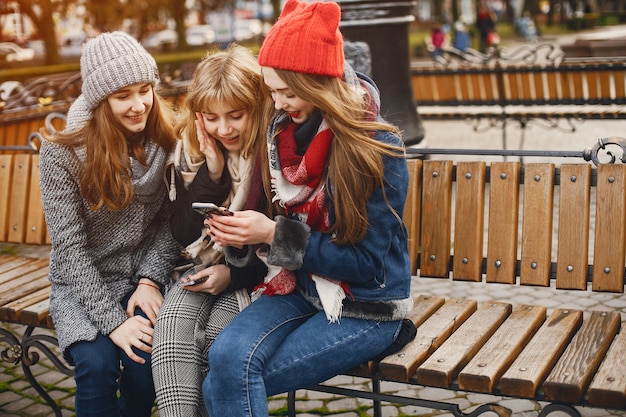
376 270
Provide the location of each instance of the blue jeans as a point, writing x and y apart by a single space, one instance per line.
282 343
98 378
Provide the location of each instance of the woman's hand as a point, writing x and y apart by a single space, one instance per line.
210 149
148 298
218 280
136 331
247 227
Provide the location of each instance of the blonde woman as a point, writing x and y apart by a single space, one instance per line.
224 122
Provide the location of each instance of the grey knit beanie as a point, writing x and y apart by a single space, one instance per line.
112 61
78 115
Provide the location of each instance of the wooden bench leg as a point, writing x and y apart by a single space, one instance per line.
21 352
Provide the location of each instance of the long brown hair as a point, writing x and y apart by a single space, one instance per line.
355 164
105 178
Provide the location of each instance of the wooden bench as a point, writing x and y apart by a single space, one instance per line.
513 224
531 84
467 221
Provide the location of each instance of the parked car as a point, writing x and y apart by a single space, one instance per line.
200 35
247 29
161 39
12 52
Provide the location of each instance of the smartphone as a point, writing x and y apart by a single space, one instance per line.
191 282
190 271
210 208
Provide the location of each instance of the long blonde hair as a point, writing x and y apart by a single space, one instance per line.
105 178
233 77
355 164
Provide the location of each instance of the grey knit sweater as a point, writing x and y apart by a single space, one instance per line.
98 256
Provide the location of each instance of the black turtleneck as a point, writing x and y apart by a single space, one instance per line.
306 132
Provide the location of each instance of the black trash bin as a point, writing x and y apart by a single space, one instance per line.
384 26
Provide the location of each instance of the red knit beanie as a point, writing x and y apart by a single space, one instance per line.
306 38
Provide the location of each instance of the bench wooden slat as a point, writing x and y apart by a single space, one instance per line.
436 218
573 234
6 170
19 266
464 92
537 224
424 306
412 210
446 90
476 85
489 84
619 77
12 311
604 80
575 83
520 88
592 85
572 374
609 253
541 91
430 335
18 203
38 315
503 222
537 359
24 285
509 86
441 368
608 387
553 83
469 221
578 81
36 230
526 87
492 360
423 88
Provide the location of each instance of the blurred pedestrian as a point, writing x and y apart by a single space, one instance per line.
461 39
437 40
485 26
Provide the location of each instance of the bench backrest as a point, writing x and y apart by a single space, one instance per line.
565 83
21 214
508 223
16 127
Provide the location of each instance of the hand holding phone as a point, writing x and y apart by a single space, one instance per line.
210 208
190 271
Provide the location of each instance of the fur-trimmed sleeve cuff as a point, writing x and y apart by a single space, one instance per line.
240 257
291 238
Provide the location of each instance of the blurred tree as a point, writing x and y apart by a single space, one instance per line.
41 14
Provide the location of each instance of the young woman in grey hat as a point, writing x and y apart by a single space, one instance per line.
107 211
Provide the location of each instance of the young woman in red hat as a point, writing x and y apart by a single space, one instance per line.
338 286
